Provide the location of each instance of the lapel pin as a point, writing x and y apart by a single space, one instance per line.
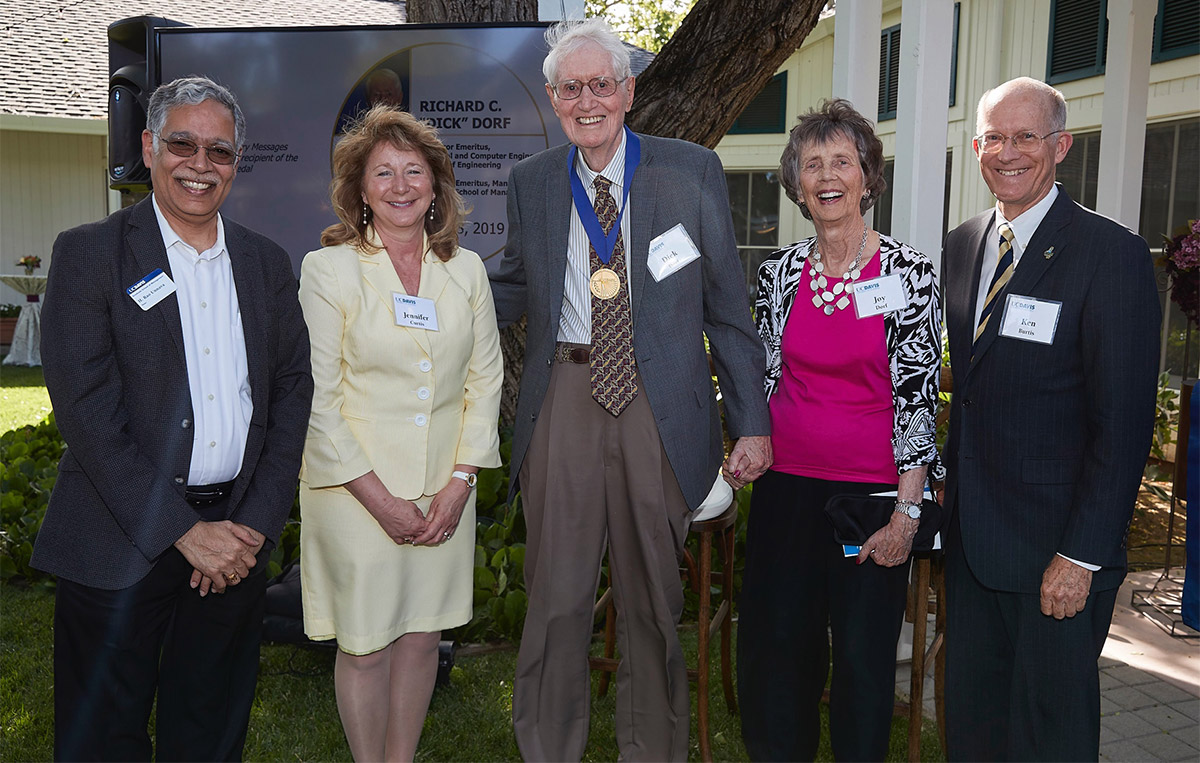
1048 253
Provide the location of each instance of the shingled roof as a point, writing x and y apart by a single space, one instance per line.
54 53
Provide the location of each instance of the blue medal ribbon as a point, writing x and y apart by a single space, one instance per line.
604 244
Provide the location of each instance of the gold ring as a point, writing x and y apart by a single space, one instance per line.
232 577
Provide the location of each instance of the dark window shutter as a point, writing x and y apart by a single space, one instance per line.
767 113
1176 29
889 72
1078 32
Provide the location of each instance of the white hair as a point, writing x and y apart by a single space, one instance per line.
566 37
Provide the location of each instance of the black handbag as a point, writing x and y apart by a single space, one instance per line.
856 518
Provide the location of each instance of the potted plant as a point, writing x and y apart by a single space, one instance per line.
30 262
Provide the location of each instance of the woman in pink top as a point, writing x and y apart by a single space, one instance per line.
850 321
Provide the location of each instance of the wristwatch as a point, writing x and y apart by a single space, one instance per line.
471 479
909 509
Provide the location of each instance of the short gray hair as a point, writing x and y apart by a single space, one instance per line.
1056 103
192 91
566 37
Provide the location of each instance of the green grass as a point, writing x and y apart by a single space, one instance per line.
295 714
23 397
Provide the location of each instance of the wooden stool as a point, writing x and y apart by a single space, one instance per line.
701 579
927 579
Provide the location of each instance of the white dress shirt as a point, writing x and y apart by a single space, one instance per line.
1023 227
575 322
215 352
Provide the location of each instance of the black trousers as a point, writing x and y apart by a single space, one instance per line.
1020 685
798 587
113 649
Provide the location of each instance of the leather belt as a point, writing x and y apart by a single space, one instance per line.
572 353
207 495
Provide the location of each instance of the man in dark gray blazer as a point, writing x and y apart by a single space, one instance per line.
1053 323
618 434
176 357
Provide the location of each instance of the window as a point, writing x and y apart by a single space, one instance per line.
754 201
1078 39
1079 36
1176 30
767 113
1078 171
889 68
1170 197
883 207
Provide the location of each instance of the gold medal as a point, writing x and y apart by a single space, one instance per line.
604 283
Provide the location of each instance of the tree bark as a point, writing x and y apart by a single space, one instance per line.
470 11
716 63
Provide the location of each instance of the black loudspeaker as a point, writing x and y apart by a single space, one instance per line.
132 76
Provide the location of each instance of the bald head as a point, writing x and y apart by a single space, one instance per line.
1051 103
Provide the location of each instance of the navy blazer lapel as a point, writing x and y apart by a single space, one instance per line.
642 196
1047 239
143 239
962 290
1031 268
251 295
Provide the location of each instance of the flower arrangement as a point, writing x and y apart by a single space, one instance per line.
1181 263
30 262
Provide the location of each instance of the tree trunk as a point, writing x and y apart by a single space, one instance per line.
470 11
716 63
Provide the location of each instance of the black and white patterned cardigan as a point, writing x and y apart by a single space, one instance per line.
914 337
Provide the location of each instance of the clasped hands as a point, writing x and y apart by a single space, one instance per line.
404 522
221 553
751 457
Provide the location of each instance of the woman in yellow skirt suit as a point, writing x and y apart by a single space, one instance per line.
407 371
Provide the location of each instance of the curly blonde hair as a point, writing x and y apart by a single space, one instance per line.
405 132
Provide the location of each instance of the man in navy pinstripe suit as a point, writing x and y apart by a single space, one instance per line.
1053 322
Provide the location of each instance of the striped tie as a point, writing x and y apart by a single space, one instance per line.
613 370
1004 271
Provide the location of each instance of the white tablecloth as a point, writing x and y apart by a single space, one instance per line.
26 348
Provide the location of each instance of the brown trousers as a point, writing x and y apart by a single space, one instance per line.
588 478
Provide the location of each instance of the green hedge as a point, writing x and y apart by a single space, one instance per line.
29 458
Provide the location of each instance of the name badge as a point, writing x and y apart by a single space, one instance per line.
877 296
1033 320
152 289
414 312
670 252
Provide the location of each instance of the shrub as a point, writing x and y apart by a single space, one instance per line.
28 467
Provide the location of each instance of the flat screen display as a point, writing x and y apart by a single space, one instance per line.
482 87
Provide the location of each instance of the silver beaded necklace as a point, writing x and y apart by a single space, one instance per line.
823 297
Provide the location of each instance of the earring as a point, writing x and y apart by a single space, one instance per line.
364 217
432 204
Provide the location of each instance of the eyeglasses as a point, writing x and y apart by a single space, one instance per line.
601 87
1026 142
186 148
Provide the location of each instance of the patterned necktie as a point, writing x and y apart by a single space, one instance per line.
614 385
1004 271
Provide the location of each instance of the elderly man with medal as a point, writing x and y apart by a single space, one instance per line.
621 254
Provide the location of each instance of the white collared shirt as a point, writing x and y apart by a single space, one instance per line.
575 322
215 352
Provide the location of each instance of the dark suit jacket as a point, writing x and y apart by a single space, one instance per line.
676 182
118 382
1048 442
